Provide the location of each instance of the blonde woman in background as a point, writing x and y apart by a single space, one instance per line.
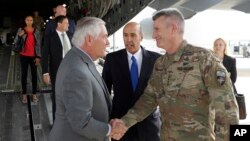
221 50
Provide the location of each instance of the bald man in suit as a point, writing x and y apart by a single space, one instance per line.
116 74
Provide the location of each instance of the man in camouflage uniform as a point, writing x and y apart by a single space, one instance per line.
190 85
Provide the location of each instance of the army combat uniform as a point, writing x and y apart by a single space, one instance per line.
194 93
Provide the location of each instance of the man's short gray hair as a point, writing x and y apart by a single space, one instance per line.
174 14
86 26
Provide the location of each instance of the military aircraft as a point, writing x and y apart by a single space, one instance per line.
115 12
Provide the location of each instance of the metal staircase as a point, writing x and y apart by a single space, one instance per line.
32 121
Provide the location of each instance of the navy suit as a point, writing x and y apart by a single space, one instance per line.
52 55
116 74
230 64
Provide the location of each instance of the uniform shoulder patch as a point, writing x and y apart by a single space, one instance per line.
221 77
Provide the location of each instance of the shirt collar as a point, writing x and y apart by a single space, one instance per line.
177 55
136 55
59 32
85 53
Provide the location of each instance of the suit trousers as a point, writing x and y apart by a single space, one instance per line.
53 97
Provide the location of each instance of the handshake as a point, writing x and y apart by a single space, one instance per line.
118 129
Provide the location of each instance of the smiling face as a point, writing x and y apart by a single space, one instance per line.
162 32
98 47
132 37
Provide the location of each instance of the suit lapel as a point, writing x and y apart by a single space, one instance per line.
58 44
146 61
97 76
125 65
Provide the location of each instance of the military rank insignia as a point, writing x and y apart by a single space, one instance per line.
221 77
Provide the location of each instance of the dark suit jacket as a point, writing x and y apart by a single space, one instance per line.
230 64
52 54
82 100
116 74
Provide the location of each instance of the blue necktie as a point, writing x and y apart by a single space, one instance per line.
134 73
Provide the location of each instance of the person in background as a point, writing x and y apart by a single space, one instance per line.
189 84
116 73
51 25
55 48
38 21
50 33
82 98
221 50
29 56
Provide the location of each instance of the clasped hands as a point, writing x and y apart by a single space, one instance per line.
118 129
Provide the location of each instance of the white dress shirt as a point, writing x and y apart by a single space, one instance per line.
66 37
138 57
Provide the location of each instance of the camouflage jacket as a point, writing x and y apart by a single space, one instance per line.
194 92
